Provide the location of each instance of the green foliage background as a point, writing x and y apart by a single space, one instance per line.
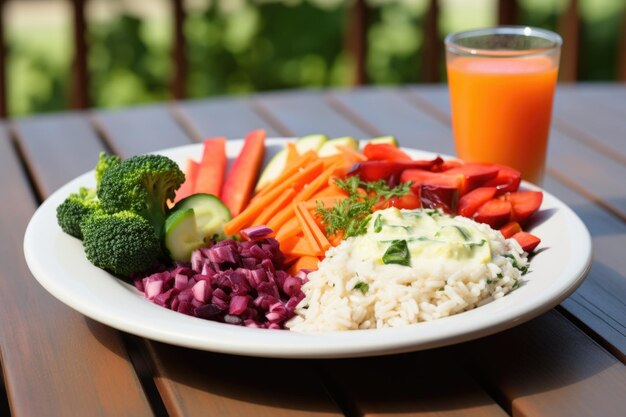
264 46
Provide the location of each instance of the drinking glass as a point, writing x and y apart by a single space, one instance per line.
502 83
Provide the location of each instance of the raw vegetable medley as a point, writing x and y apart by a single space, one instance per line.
237 246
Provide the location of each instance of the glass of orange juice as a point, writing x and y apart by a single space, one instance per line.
502 83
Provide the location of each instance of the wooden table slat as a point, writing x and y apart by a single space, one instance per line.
423 384
603 128
57 148
204 384
55 361
304 112
412 129
140 130
229 117
549 368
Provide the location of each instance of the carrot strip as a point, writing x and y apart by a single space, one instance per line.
275 206
212 169
307 231
300 162
304 262
297 246
331 160
292 154
297 181
336 238
321 240
331 190
328 202
314 186
289 229
281 218
351 153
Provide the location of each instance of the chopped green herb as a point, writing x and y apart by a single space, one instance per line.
490 281
515 284
463 231
440 289
362 286
397 253
352 214
516 265
500 276
475 244
378 224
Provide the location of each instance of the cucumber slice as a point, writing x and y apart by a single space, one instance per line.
385 139
276 165
210 214
330 148
182 235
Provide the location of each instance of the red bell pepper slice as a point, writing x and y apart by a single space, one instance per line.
384 170
507 180
524 203
475 174
511 228
527 241
384 152
494 212
470 202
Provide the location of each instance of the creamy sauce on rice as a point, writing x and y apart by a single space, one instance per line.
410 266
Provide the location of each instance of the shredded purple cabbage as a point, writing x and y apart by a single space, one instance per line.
242 283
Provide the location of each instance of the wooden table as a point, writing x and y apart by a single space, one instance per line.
567 362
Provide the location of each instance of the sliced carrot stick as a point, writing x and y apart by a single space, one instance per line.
332 159
281 218
292 154
328 202
318 183
297 181
282 201
312 225
331 190
289 229
297 246
304 262
210 176
350 153
308 233
299 162
336 238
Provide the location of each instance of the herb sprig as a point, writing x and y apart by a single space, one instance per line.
351 215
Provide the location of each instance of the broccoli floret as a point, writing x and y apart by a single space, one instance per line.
105 161
123 243
142 184
75 208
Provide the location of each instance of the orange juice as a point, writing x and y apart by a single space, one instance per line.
501 109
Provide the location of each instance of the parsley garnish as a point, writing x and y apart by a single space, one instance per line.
352 214
378 224
522 269
362 286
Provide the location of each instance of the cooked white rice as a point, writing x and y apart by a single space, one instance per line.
398 295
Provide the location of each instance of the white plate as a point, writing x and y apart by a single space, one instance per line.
57 261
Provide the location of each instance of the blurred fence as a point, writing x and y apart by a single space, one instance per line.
274 45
